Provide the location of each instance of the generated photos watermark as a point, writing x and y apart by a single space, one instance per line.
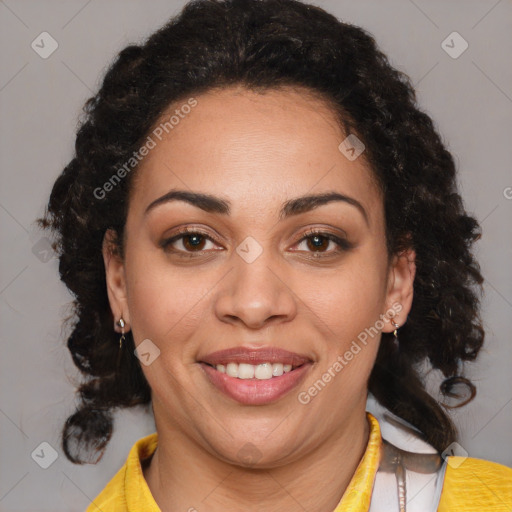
343 360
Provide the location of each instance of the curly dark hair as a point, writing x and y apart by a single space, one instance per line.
264 45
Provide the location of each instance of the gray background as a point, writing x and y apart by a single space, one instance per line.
469 98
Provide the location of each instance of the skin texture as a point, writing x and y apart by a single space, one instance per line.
256 151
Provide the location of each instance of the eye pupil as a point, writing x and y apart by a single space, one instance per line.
197 242
318 241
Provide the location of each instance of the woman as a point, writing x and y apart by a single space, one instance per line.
261 227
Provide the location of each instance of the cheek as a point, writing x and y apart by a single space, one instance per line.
348 310
348 299
164 305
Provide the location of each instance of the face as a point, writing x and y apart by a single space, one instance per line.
257 269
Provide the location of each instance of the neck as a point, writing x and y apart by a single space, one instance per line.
182 475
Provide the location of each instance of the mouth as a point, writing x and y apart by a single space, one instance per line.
255 377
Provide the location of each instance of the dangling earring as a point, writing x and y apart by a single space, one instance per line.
395 334
121 324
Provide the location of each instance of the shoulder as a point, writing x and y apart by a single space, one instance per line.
128 489
476 485
112 498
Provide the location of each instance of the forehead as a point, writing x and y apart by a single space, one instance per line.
256 148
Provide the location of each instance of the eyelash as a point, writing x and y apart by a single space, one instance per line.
343 244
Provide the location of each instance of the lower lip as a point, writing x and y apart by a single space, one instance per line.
256 391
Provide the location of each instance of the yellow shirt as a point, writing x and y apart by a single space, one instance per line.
470 485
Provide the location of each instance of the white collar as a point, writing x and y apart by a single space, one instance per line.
397 486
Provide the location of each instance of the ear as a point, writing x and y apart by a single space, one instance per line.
116 280
400 287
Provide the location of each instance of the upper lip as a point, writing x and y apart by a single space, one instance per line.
255 356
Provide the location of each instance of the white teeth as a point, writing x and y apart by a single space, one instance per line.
263 371
277 370
245 371
232 369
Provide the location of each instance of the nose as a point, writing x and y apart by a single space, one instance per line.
256 294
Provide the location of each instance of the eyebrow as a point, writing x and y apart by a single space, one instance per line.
217 205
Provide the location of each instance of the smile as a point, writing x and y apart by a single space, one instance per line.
255 384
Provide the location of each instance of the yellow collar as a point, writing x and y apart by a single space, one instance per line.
358 494
355 499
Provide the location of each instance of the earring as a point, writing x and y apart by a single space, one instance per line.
121 324
395 334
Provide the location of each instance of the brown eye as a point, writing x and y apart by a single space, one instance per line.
193 242
318 242
190 241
